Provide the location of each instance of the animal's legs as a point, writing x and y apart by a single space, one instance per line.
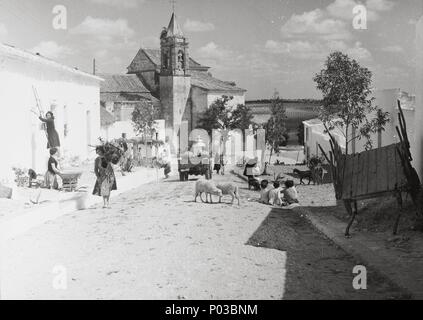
353 213
201 197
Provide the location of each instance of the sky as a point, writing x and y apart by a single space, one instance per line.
262 45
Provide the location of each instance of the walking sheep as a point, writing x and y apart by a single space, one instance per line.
229 189
207 187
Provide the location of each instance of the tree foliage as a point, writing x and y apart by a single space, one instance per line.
222 116
347 102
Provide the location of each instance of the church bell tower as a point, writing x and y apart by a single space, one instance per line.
175 80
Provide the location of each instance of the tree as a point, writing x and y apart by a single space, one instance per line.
276 131
143 119
242 117
347 102
222 116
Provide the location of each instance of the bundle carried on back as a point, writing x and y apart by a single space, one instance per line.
112 151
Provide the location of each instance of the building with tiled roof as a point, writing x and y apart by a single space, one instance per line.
124 88
120 94
149 59
183 87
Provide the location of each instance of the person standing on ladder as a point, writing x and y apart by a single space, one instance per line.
53 140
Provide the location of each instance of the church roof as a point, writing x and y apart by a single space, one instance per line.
154 55
174 30
123 87
207 82
122 83
127 97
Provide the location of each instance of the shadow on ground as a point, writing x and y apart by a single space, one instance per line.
316 268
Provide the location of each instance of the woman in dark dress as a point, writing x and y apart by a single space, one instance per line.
52 171
52 135
106 180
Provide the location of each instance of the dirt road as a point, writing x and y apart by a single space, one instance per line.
156 243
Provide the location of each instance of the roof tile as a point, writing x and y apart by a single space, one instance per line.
128 83
205 81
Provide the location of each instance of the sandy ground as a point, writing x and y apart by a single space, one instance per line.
373 226
156 243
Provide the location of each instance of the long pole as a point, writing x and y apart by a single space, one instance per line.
40 108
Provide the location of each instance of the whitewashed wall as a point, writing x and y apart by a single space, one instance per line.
72 96
314 134
417 145
115 130
387 101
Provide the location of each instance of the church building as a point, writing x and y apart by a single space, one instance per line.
184 87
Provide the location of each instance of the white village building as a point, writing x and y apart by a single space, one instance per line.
315 133
73 96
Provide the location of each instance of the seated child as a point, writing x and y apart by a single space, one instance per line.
275 194
290 194
264 192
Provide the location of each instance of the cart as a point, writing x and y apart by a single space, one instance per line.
198 162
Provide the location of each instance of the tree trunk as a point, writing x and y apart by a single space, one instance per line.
346 139
271 154
265 173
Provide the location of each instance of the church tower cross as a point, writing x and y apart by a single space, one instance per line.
173 2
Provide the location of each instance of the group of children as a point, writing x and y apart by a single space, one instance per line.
278 195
